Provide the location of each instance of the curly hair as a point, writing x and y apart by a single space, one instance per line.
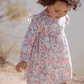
74 3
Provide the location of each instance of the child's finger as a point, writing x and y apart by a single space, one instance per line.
18 69
24 67
22 70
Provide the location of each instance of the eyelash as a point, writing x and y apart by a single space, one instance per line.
58 11
65 11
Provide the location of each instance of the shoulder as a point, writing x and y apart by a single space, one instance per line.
32 18
36 17
67 19
64 20
34 21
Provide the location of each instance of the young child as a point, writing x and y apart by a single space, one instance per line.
45 53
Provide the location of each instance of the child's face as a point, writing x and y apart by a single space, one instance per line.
58 10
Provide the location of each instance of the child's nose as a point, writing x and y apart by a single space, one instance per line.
61 14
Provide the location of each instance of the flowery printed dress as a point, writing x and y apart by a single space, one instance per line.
46 50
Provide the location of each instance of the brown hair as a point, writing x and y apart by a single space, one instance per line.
74 3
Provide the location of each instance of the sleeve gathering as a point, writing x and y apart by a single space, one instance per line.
67 19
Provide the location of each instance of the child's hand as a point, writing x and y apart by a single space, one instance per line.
21 65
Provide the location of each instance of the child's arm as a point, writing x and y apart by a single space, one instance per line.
31 35
29 39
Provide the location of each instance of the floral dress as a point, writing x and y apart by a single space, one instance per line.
45 48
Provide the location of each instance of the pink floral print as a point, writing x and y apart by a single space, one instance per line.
45 48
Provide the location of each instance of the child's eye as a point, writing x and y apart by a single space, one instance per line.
65 11
56 11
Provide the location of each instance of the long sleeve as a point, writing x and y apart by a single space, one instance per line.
31 35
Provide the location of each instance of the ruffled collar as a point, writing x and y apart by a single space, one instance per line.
44 12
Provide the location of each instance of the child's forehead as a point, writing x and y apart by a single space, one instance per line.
61 5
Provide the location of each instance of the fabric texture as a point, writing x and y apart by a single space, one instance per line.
45 48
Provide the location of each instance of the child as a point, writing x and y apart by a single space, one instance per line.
45 53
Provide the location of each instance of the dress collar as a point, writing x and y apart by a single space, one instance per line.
44 12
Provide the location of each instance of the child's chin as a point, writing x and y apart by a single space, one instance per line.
58 17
